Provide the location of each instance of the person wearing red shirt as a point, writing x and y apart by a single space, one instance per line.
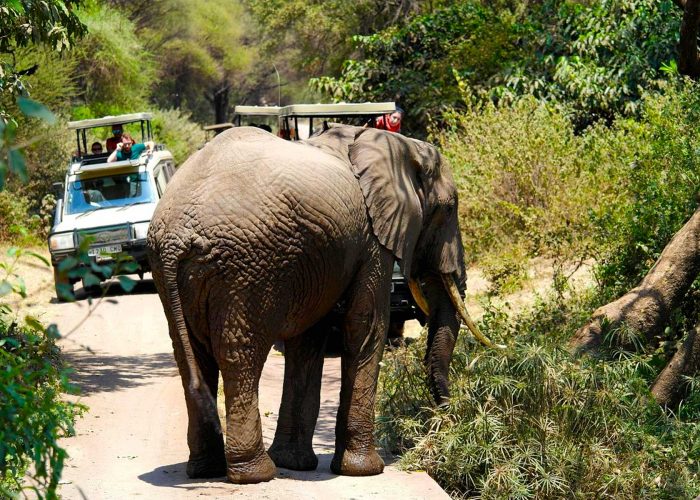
117 131
390 122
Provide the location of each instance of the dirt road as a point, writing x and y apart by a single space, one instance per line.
131 442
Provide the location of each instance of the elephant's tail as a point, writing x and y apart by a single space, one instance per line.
197 388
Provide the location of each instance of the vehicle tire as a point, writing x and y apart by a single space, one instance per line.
60 279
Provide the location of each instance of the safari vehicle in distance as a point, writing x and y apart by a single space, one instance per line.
109 205
211 131
257 116
300 121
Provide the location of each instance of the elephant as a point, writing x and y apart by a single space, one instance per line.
256 239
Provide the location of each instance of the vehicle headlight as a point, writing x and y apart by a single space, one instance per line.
140 230
61 241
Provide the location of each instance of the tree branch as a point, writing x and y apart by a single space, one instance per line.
646 308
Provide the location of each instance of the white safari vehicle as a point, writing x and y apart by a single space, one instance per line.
109 205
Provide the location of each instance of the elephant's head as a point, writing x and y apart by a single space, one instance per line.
412 201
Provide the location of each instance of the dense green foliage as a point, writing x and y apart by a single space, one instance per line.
531 422
32 386
591 59
30 22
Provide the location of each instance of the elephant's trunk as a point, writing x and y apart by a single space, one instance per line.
446 312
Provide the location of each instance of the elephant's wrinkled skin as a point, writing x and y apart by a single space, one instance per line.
255 240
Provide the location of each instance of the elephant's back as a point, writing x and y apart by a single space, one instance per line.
251 183
281 226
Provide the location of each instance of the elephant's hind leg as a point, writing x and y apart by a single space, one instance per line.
204 437
365 332
245 454
301 399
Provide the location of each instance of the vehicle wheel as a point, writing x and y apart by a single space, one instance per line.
61 279
395 335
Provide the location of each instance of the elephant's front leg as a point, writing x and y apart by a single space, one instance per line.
246 458
365 332
301 399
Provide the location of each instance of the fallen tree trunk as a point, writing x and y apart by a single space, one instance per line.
670 386
646 308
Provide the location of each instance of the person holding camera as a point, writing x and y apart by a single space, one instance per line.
128 150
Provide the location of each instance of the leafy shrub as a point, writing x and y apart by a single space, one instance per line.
526 180
181 135
660 186
531 422
33 412
16 224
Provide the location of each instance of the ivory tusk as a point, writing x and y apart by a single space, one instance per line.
457 301
418 296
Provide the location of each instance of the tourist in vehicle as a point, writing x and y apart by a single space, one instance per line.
390 122
96 148
128 150
117 131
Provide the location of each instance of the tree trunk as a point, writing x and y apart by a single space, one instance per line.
670 387
688 59
646 308
220 103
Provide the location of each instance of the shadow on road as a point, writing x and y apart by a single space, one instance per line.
174 476
93 372
111 288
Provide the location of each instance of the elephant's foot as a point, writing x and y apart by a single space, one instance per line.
354 463
258 470
293 457
206 467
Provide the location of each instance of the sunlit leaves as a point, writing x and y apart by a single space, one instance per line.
532 422
35 109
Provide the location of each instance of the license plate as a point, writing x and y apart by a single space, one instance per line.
104 252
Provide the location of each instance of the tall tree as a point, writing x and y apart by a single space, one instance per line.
201 51
688 56
53 23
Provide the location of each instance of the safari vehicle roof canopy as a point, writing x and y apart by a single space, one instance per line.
257 110
290 115
341 109
108 121
81 126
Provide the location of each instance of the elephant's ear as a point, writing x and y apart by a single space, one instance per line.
388 168
335 139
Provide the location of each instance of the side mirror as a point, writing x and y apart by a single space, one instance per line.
58 190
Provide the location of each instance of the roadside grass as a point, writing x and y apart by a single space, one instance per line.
533 422
33 382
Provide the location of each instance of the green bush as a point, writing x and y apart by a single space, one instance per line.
531 422
181 136
33 381
527 181
660 186
16 224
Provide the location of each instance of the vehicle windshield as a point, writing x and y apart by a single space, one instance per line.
117 190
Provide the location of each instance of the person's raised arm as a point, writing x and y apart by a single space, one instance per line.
113 154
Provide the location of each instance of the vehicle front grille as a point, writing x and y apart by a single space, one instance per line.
105 235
